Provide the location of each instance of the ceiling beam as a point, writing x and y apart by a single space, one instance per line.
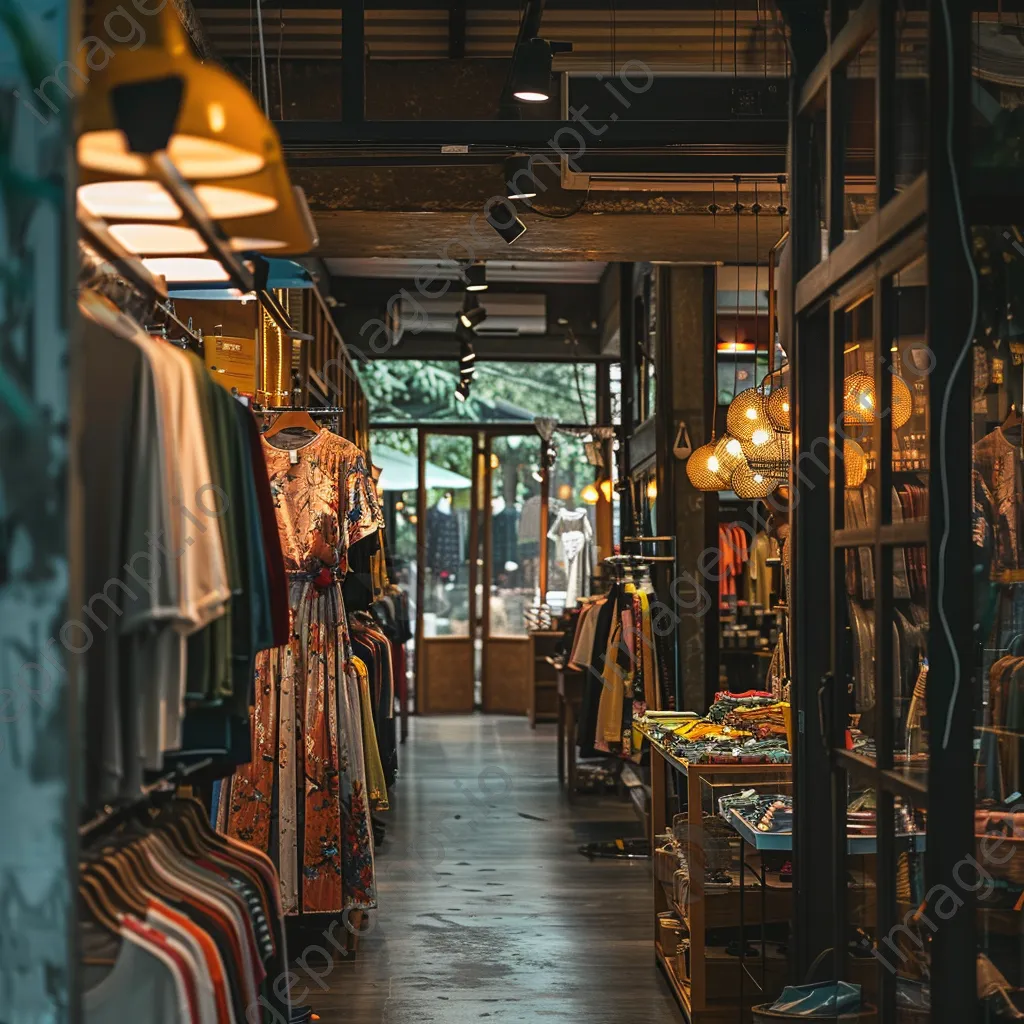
532 136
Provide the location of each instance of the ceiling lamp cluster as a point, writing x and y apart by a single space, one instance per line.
179 157
752 457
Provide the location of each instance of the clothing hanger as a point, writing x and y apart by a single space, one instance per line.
294 420
99 913
136 902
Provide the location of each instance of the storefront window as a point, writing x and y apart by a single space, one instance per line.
997 368
421 391
572 524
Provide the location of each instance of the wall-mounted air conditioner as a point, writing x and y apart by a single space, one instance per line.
508 315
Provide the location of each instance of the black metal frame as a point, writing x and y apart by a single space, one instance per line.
923 219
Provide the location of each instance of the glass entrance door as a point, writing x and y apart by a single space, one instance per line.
448 539
514 527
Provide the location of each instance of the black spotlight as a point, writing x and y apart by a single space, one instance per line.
504 219
520 181
476 277
473 314
462 391
531 73
467 361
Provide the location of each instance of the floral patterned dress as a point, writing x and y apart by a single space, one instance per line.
303 797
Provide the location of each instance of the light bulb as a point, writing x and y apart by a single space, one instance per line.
713 463
761 437
751 414
734 448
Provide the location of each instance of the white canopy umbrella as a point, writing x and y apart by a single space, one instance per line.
399 472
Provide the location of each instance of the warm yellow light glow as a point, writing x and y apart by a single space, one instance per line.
399 505
414 519
186 270
761 437
158 239
195 157
224 203
590 494
256 244
606 489
734 448
564 492
216 117
130 200
495 461
751 414
149 200
713 464
652 489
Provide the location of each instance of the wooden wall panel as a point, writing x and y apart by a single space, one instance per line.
508 675
446 675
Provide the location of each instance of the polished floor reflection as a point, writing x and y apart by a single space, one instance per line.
488 912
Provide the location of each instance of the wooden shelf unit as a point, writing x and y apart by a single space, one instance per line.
544 689
712 909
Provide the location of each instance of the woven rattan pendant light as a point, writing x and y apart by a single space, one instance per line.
855 463
777 407
860 401
750 483
704 470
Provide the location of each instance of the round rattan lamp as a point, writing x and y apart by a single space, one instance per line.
777 407
747 414
750 483
860 401
855 463
902 403
704 470
730 454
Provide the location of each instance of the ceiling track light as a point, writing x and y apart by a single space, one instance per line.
532 70
472 316
476 277
520 181
503 218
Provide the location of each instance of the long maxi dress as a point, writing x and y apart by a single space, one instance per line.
303 798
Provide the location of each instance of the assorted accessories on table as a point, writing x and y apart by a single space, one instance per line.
748 728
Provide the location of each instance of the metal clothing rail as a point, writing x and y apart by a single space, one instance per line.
110 817
640 541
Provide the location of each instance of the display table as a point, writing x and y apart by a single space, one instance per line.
774 842
700 1000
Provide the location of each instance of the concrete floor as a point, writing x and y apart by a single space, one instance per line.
487 910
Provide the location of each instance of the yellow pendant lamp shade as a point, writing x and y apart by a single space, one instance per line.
860 400
750 483
158 92
855 464
704 469
777 407
747 414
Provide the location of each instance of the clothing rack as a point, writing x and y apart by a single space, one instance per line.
111 817
640 541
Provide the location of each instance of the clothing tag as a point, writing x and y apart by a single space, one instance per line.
293 457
